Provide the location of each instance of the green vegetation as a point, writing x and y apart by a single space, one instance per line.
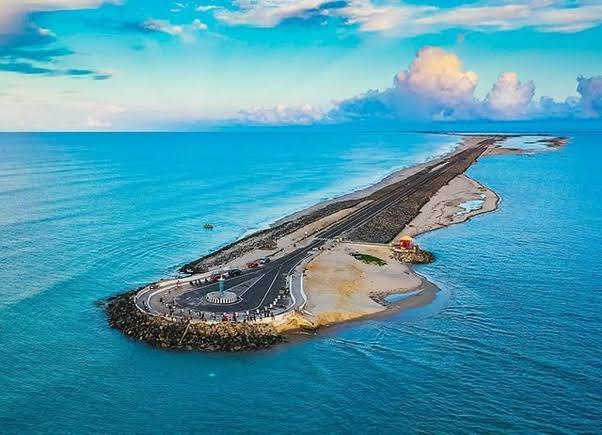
370 259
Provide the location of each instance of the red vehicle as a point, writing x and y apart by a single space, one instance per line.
214 277
252 264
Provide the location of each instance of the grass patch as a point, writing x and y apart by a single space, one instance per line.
369 259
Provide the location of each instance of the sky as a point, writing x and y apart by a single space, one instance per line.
144 65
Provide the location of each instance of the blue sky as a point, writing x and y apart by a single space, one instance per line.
139 64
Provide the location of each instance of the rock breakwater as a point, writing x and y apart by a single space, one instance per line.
383 227
415 256
183 335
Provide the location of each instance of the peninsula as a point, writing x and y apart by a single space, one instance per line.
334 262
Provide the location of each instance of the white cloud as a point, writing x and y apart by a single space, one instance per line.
267 13
44 32
198 25
51 5
206 8
590 90
13 12
186 32
404 19
509 98
95 123
101 115
282 114
543 15
438 75
163 26
381 18
436 87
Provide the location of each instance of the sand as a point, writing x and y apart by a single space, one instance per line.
550 142
340 287
444 209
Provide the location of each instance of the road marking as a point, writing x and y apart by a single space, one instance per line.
269 288
251 286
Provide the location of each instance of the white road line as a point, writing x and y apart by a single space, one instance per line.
302 293
256 281
147 297
289 279
269 288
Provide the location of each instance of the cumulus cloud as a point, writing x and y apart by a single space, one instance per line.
282 114
566 16
590 90
440 76
509 98
436 87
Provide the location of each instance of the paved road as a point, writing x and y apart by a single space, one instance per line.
258 288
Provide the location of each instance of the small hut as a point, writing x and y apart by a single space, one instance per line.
406 242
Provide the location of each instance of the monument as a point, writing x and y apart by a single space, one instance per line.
221 297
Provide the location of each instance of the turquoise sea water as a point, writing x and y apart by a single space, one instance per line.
512 343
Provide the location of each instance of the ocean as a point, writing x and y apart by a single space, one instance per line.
512 343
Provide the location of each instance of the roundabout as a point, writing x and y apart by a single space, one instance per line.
221 298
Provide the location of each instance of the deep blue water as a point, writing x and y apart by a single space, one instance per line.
512 344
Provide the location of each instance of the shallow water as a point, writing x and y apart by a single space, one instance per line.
472 205
512 343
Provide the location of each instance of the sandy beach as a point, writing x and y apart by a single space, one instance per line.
341 288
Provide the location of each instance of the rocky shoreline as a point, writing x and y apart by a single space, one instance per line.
183 335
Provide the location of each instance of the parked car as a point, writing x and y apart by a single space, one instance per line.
235 272
264 260
252 264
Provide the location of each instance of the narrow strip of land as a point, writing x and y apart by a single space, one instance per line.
264 291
